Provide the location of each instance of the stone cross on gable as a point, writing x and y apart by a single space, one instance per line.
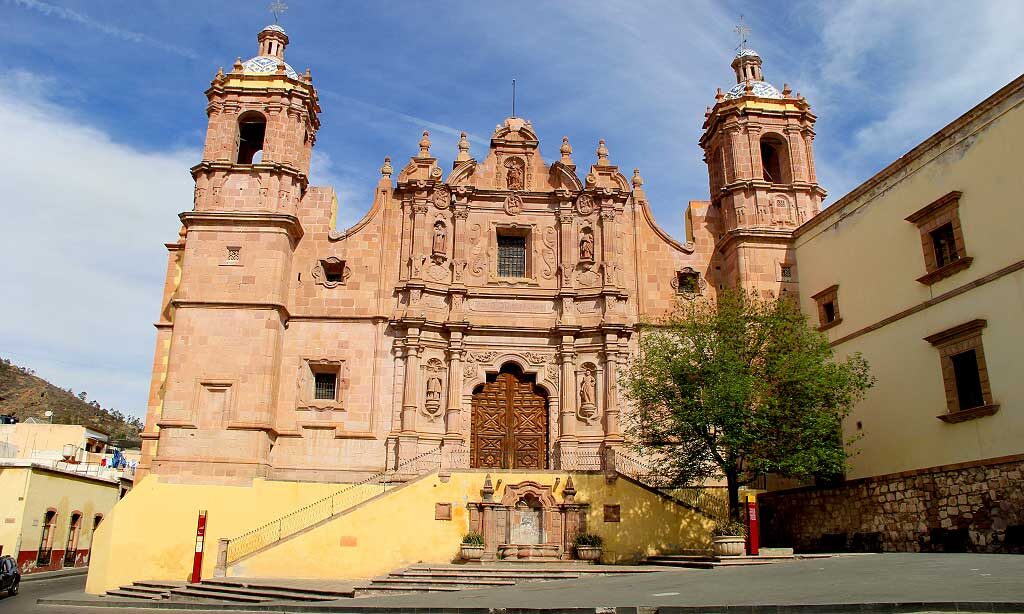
742 31
277 7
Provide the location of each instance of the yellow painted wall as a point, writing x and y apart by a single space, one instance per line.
875 256
42 437
13 491
382 535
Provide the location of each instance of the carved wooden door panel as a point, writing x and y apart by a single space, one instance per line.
509 425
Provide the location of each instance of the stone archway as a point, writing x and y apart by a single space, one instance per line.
509 422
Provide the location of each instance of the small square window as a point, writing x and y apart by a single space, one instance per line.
334 271
511 256
688 282
325 386
828 307
786 271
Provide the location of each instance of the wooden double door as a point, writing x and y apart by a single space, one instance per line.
510 424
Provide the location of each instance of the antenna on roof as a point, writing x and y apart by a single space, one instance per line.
742 31
277 7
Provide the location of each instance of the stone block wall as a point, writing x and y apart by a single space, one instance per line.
968 507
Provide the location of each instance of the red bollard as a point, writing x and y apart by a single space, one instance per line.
753 528
197 562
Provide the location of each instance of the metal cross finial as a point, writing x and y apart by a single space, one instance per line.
277 7
742 30
513 97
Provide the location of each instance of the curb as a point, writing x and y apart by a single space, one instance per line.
52 575
1003 607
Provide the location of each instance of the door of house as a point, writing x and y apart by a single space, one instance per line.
510 424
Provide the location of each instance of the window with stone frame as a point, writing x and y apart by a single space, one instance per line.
828 307
325 386
511 254
334 270
964 372
942 238
688 282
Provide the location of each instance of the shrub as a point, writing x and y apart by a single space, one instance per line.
729 529
473 539
588 539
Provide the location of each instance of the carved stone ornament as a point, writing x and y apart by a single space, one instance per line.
515 174
513 204
585 204
587 410
339 276
469 372
535 357
442 198
691 292
435 386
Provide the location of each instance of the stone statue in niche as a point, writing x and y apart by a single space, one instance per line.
588 395
433 402
515 174
587 247
440 243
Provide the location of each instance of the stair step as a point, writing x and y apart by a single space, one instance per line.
290 594
561 575
158 584
200 593
442 582
323 592
160 592
424 588
130 594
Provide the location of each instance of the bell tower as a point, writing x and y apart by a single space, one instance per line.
222 330
757 144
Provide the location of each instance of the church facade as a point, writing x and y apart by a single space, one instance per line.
485 310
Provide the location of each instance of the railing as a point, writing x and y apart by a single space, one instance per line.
323 509
43 557
711 501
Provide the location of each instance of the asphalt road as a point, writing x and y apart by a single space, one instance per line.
25 600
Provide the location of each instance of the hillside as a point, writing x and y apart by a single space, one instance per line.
23 394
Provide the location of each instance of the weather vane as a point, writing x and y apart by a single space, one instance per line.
277 7
741 31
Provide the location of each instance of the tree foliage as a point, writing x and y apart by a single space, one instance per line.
737 388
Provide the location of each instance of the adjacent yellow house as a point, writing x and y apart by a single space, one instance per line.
921 269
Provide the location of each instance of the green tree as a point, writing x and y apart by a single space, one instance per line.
737 388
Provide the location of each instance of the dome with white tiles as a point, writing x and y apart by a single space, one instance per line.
267 65
762 89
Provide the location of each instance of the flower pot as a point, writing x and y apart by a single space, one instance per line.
472 552
729 545
588 553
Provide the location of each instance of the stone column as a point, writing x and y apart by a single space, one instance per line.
568 245
797 156
611 388
609 265
419 238
567 404
460 215
808 136
410 403
453 413
736 150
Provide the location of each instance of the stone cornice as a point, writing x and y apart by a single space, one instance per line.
206 166
289 223
764 235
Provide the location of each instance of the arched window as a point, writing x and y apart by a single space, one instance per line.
774 159
46 539
252 129
71 549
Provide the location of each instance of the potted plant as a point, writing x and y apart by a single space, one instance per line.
729 539
472 546
588 546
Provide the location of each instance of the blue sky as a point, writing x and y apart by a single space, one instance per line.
102 113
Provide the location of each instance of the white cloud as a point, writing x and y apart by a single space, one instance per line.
83 255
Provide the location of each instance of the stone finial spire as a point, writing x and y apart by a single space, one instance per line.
569 492
425 145
602 154
386 170
463 149
566 150
638 181
237 66
487 492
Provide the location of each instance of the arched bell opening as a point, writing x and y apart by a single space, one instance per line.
509 426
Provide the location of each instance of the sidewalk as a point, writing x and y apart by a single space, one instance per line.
49 575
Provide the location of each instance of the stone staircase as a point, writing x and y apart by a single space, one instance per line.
232 591
448 578
705 560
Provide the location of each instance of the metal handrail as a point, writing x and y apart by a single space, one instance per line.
706 499
322 509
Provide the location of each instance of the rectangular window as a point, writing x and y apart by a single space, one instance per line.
828 307
334 270
968 380
830 311
964 372
511 256
325 386
944 242
787 272
942 238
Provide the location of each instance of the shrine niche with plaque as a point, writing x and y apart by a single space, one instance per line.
528 523
509 423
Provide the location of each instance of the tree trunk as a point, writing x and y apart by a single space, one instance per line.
733 486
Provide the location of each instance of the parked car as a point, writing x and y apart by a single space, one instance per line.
10 577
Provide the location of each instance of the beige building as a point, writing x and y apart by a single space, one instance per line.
43 441
921 270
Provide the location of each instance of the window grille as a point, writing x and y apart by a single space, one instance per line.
944 242
511 256
787 273
326 386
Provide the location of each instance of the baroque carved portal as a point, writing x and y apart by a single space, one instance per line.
509 423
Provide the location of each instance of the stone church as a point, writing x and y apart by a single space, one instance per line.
486 309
